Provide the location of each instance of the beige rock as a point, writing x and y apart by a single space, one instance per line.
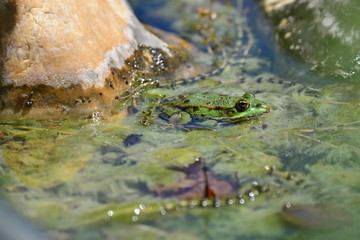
63 57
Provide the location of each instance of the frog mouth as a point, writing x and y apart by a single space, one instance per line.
245 118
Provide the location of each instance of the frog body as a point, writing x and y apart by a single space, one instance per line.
189 107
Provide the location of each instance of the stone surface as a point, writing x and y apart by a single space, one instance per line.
323 33
65 57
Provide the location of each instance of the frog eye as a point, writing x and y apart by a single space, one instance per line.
242 105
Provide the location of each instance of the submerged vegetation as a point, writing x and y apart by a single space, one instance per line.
114 177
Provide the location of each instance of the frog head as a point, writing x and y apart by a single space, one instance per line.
248 106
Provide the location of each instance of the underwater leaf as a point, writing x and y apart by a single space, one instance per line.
199 182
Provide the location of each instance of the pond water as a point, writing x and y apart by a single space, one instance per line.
296 167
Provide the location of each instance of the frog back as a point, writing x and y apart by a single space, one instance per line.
205 105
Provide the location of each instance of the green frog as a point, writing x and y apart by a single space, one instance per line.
205 108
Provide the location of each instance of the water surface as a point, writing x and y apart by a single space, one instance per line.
78 179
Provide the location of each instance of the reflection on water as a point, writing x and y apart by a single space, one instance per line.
95 178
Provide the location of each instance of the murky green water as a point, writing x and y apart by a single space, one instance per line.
77 179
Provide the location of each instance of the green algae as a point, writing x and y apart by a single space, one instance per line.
43 156
80 181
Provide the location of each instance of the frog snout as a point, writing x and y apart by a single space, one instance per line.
267 109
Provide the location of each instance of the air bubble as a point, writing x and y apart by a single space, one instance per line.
137 211
110 213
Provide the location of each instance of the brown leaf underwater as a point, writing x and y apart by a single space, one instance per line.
199 182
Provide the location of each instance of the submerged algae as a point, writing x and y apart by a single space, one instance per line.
315 135
44 156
